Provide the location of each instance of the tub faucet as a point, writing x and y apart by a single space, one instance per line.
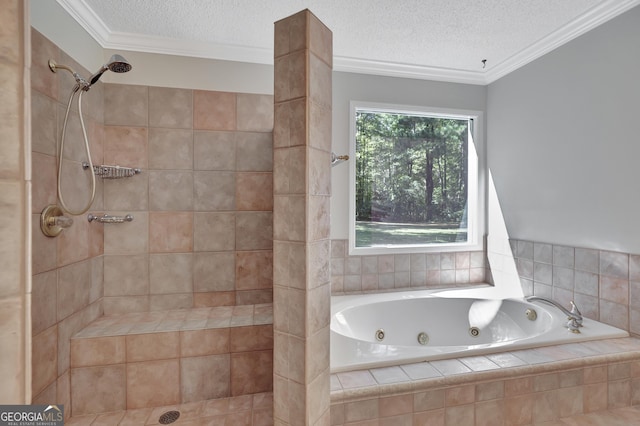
574 315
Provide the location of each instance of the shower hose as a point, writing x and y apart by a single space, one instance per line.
87 150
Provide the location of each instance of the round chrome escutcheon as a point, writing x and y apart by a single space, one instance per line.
379 335
423 338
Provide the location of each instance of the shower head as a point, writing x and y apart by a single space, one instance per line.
117 63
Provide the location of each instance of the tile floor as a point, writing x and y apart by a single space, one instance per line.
246 410
256 410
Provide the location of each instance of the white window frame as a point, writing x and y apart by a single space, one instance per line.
476 193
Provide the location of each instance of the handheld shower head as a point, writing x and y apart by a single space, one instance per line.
117 63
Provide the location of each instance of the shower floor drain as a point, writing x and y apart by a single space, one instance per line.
169 417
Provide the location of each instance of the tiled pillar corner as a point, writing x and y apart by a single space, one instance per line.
15 187
301 182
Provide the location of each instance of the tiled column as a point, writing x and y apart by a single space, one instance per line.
302 169
14 207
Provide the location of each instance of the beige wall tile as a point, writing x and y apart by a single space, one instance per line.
316 360
254 231
152 346
253 270
126 146
214 271
489 413
251 338
254 191
73 288
170 108
251 372
214 231
254 152
153 384
130 194
126 275
170 232
205 377
11 351
42 79
97 351
63 392
204 342
48 394
98 389
114 305
254 297
170 273
215 298
214 191
44 359
320 40
170 190
126 105
170 149
129 237
67 328
43 301
164 302
44 253
11 243
73 242
255 112
44 124
214 110
214 150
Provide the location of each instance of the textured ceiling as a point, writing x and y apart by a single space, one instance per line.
426 38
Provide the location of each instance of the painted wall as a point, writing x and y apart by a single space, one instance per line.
563 141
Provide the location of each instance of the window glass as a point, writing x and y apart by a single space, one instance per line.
414 179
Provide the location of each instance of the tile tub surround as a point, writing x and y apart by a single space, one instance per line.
605 285
512 388
361 274
146 360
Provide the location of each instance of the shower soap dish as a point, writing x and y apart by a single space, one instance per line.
109 219
112 172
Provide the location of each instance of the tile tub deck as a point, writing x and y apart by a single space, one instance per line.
532 386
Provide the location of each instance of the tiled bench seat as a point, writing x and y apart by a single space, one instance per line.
512 388
155 359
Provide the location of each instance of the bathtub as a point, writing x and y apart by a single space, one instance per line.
377 330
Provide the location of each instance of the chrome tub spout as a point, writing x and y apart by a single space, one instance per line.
574 316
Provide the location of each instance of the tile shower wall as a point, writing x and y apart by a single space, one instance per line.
202 233
202 206
67 270
605 285
357 274
14 187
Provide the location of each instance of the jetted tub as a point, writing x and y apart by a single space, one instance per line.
376 330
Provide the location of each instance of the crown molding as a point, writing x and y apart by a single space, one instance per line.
108 39
197 49
591 19
87 18
394 69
